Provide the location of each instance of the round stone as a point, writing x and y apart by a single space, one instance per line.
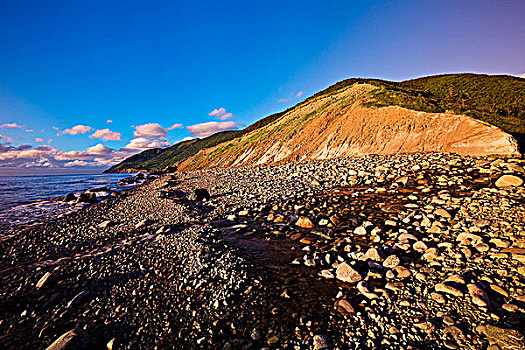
509 180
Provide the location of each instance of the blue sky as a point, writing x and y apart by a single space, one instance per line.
69 67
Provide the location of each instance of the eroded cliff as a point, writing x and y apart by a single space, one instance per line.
339 125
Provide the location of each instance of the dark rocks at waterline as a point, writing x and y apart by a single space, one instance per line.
70 197
87 197
98 189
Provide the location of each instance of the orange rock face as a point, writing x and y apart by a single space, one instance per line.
339 125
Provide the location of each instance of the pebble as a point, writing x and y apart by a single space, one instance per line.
444 288
509 180
304 222
478 295
182 279
391 261
43 280
346 273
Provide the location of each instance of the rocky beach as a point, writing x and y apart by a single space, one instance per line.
376 252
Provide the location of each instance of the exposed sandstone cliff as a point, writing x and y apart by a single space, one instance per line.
339 125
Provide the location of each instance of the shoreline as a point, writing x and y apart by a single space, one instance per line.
43 209
155 268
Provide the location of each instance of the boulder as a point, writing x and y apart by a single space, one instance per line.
478 295
69 197
106 224
87 198
144 223
199 194
320 342
344 307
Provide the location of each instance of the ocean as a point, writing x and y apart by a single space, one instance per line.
26 199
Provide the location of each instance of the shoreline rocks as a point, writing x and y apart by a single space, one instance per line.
398 251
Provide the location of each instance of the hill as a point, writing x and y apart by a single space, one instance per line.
159 159
374 116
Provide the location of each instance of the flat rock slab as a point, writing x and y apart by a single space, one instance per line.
506 339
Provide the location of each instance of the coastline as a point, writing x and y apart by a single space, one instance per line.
156 268
60 198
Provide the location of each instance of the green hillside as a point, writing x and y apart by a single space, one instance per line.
158 159
496 99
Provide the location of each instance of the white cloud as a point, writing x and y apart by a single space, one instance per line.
47 156
150 130
5 137
40 163
29 130
299 94
106 135
210 128
175 126
217 112
76 163
147 136
109 121
99 149
77 129
141 143
10 125
226 116
220 114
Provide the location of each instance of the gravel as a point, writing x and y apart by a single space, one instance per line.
378 252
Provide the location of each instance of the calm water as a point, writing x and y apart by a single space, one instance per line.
19 194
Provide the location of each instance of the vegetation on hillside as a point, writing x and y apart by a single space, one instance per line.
159 159
496 99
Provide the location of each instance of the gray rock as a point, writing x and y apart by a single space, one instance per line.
478 295
509 180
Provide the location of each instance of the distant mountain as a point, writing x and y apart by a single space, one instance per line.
459 113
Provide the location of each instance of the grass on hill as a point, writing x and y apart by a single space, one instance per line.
496 99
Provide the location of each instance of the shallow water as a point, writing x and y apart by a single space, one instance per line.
25 199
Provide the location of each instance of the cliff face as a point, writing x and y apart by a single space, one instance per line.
339 125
